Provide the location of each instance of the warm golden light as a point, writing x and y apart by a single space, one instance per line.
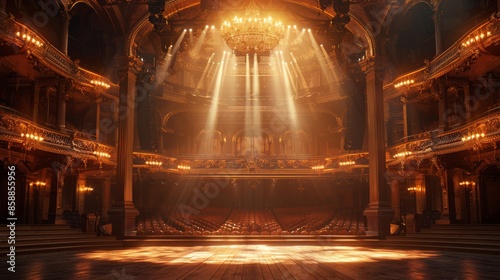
402 154
38 184
252 33
254 254
101 154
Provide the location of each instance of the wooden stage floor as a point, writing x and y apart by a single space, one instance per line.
255 261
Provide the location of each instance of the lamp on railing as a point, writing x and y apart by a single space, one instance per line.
404 83
100 84
29 39
347 163
183 168
251 33
403 154
318 168
31 140
474 140
100 156
154 165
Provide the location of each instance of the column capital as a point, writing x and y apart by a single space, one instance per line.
126 65
373 64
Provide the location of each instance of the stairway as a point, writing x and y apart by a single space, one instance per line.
54 238
462 238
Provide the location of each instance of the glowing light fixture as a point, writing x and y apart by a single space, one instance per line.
252 33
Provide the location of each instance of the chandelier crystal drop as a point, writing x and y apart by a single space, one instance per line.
252 34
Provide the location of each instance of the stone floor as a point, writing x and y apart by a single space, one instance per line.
255 262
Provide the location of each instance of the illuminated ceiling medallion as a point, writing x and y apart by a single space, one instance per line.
252 34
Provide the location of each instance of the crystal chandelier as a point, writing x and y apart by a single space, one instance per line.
252 33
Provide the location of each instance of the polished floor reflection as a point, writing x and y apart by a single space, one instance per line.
256 262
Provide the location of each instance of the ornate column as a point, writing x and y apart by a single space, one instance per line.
378 212
467 102
80 195
97 118
36 101
106 197
61 105
406 129
123 211
65 19
441 96
396 199
438 34
56 189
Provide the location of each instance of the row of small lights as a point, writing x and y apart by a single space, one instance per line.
402 154
86 189
318 167
100 83
101 154
404 83
183 167
413 189
154 163
38 184
467 183
347 163
32 137
29 39
477 38
472 137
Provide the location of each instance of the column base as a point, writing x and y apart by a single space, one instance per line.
122 218
379 219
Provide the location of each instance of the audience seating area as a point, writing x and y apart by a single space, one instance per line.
280 221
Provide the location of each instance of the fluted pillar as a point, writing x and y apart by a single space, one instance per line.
438 34
61 105
36 101
64 34
123 212
443 114
106 197
378 212
98 119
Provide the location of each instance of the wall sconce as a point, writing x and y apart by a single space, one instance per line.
37 184
86 189
413 189
467 183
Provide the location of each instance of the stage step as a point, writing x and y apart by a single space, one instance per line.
463 238
32 239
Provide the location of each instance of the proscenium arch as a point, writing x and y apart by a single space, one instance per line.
355 26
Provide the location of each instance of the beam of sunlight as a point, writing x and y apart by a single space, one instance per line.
329 62
248 93
213 112
205 71
289 95
199 42
298 72
255 97
169 58
320 57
